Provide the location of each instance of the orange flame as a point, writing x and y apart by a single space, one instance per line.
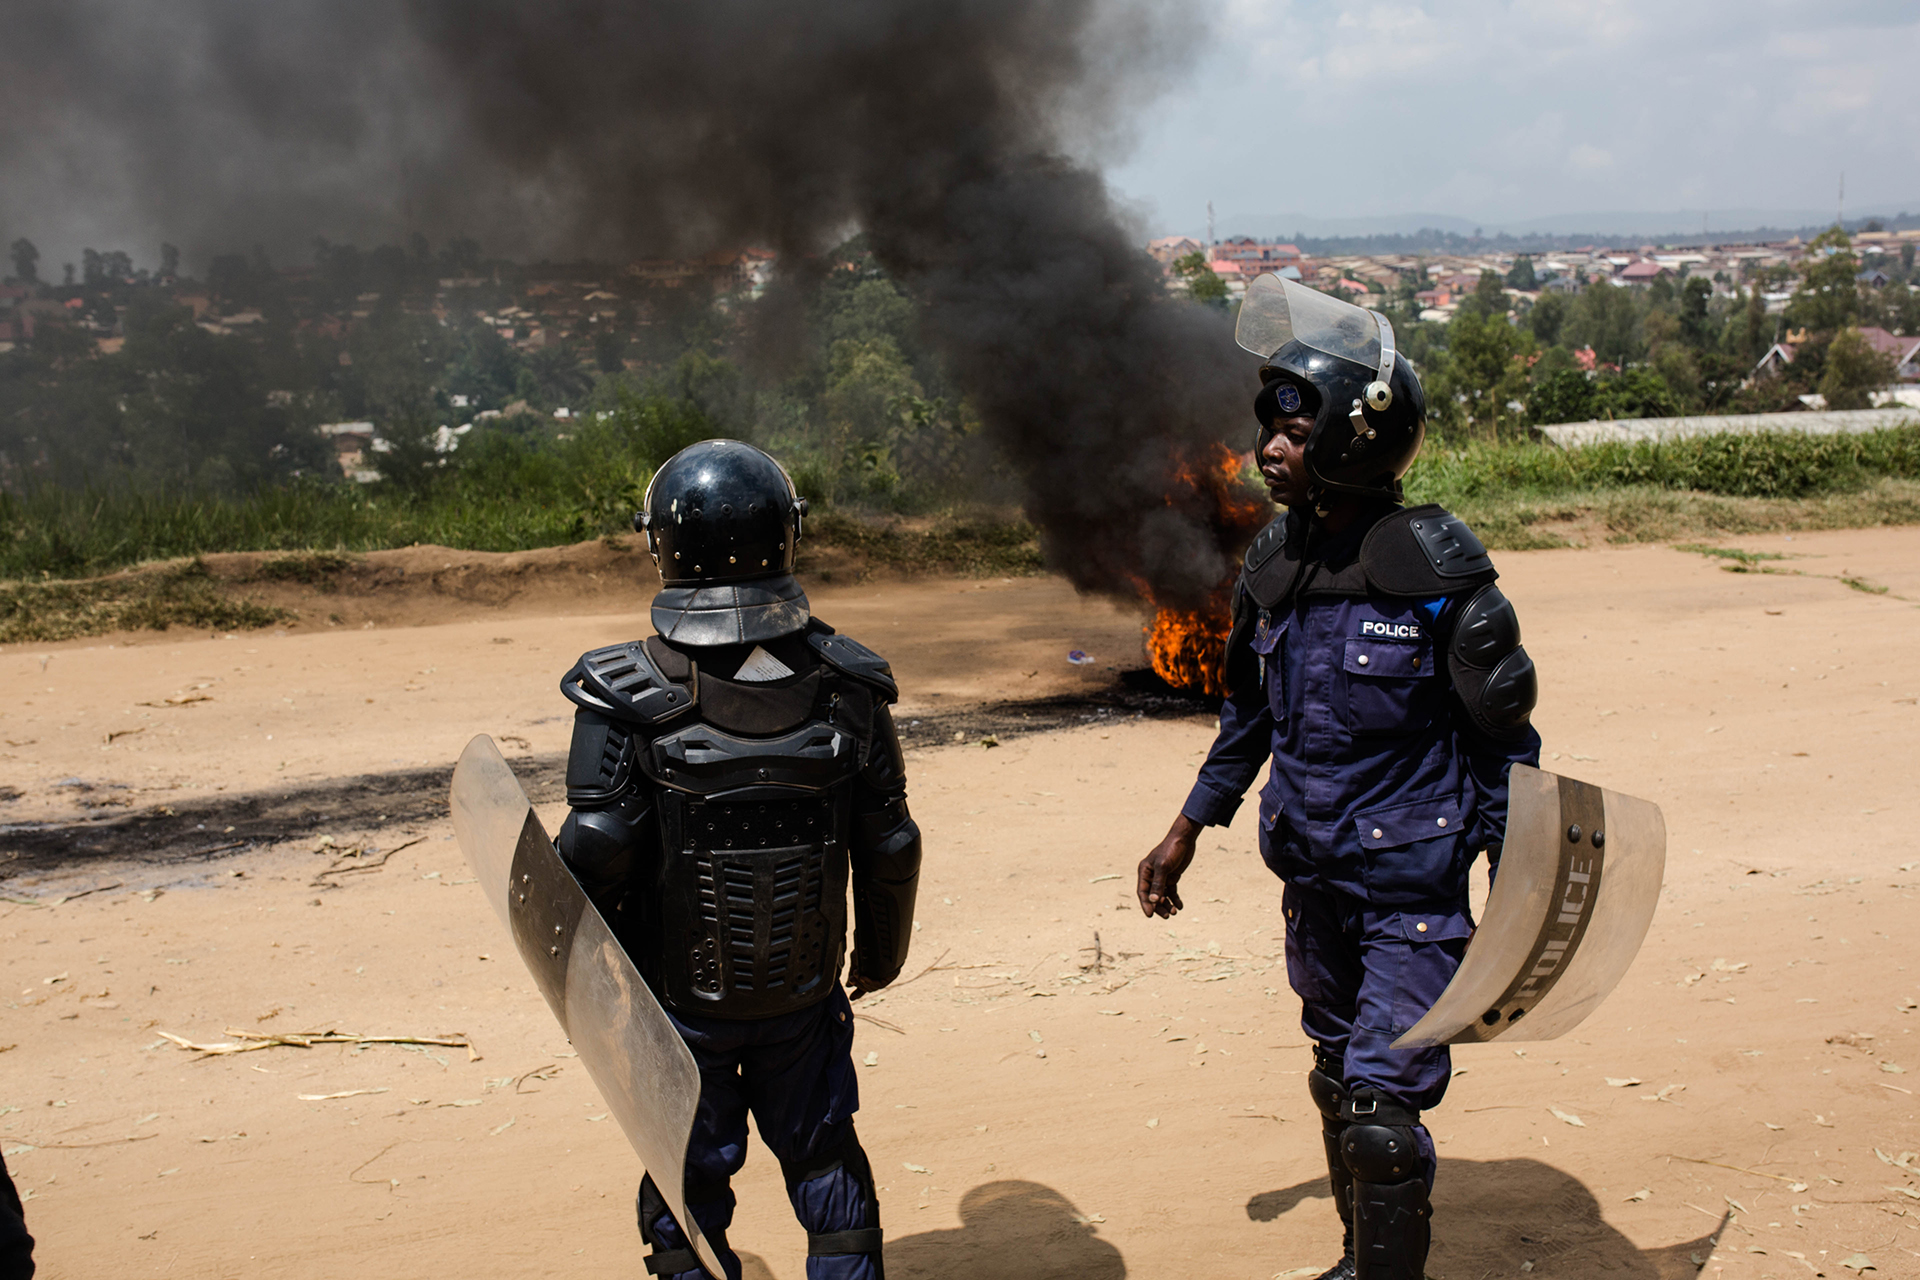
1188 647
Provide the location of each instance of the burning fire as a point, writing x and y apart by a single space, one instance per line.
1188 647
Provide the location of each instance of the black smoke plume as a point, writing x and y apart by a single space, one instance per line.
962 136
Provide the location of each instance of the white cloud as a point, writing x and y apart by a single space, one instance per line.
1587 158
1509 109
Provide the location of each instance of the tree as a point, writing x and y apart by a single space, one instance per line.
1608 319
1521 275
1489 297
1547 317
1757 331
1855 370
1485 369
1695 293
1828 298
1567 395
26 261
1202 284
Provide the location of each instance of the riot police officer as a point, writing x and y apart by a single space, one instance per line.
1378 668
730 779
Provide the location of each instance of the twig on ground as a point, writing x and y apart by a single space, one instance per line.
342 867
1099 962
249 1041
880 1022
388 1183
78 1146
547 1072
929 969
1736 1168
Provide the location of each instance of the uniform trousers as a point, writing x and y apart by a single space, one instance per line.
794 1074
1365 975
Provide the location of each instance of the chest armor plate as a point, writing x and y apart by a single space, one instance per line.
753 867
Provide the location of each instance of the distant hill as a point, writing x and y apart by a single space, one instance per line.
1410 232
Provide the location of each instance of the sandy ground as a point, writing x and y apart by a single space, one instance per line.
1061 1088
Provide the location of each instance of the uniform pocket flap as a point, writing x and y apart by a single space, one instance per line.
1431 926
1409 823
1389 659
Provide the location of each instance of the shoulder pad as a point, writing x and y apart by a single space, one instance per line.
1424 552
851 658
1266 542
624 682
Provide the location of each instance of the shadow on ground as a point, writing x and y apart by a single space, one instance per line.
1009 1228
1492 1216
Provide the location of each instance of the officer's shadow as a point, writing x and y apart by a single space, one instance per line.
1495 1214
1008 1229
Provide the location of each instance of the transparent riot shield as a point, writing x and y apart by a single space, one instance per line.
632 1052
1579 879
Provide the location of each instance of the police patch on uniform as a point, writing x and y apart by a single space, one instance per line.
1391 630
1286 398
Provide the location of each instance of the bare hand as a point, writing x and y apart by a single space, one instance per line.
1160 870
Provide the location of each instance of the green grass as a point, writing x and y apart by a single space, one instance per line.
183 595
1516 495
979 546
1530 495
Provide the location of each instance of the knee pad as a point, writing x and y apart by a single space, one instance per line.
651 1206
661 1260
1380 1153
844 1151
844 1154
1328 1091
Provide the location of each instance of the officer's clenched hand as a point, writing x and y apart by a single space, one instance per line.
1160 870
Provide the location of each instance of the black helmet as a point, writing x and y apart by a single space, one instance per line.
721 521
1339 363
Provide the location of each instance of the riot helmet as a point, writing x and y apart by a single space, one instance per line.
1339 363
722 520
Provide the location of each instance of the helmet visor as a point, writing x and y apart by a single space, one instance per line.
1276 312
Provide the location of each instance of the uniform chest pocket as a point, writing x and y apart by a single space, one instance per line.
1390 685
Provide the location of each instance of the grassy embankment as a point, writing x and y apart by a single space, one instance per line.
59 550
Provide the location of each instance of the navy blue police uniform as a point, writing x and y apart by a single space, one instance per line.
719 817
1380 673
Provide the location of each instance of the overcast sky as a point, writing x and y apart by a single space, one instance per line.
1506 110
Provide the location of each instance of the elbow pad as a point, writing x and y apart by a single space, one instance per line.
1492 675
603 847
886 878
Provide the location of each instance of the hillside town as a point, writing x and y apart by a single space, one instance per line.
1507 341
1438 282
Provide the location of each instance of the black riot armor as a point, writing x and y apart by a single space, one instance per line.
720 822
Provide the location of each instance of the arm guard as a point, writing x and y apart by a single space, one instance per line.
603 847
1492 675
885 848
611 822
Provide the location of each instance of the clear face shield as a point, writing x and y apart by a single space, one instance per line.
1276 312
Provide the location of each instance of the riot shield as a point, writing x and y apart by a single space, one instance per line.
1579 880
629 1048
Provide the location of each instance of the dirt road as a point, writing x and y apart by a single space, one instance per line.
1061 1088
